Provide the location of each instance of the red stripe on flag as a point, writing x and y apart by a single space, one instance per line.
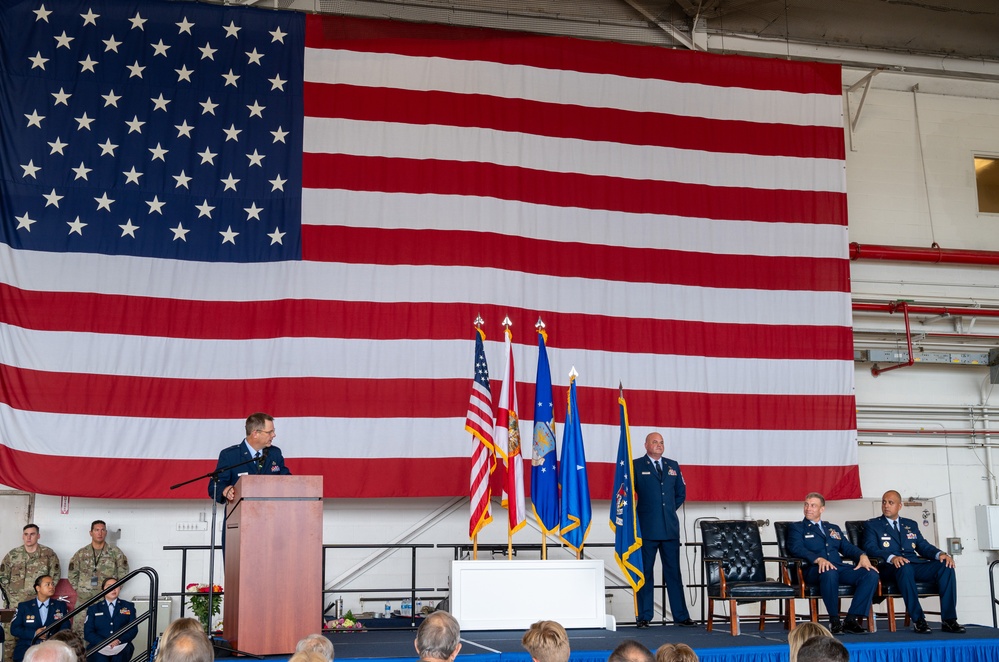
143 397
396 175
590 56
304 318
391 477
377 104
572 260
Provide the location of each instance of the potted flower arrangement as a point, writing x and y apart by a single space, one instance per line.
199 603
347 623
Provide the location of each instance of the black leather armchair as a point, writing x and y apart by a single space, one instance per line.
807 591
734 568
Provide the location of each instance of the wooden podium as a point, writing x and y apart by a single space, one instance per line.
273 563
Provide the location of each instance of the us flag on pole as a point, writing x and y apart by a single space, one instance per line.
208 211
479 422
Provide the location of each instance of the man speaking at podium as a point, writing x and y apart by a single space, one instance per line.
256 451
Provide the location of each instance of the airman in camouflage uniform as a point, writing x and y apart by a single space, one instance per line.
21 567
91 565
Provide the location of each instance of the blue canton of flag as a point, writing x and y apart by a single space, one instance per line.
623 518
544 472
154 129
575 494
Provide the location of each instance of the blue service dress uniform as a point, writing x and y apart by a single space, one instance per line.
809 541
28 618
882 541
658 500
102 621
273 466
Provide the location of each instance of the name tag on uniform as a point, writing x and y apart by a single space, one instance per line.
885 536
809 535
243 473
29 618
646 473
98 613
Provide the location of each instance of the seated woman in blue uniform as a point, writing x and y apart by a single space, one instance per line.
105 618
33 615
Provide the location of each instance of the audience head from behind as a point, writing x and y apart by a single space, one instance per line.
307 656
630 650
50 651
546 641
664 652
676 653
186 646
823 649
802 633
438 638
316 643
74 641
178 626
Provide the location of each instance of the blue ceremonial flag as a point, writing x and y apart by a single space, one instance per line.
544 468
575 498
623 518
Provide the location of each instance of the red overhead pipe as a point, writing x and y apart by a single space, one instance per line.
894 306
904 307
934 254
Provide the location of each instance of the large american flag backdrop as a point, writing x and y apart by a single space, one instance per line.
210 211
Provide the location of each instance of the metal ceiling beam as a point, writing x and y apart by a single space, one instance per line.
682 38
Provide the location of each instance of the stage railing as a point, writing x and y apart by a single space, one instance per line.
414 591
992 591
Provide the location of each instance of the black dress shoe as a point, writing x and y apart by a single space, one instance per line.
836 628
689 623
953 627
643 624
921 627
851 626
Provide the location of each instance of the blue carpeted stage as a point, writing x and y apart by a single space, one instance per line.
980 644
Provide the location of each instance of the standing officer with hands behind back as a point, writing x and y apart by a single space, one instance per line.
660 491
92 564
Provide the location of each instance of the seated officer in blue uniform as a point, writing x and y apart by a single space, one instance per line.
106 617
823 545
909 558
34 614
